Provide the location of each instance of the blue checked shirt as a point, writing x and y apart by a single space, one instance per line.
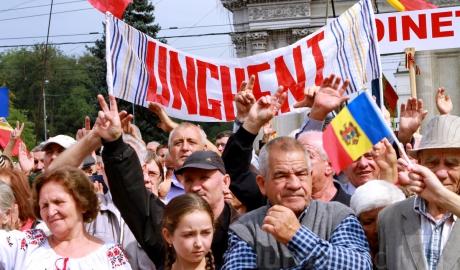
346 249
434 232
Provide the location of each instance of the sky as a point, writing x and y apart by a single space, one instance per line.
26 22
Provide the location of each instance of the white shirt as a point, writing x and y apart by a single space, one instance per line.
31 250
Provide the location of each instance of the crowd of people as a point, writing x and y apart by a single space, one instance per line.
108 200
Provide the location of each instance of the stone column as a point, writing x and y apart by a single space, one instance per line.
258 41
240 44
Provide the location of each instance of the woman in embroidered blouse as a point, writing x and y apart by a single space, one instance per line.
65 200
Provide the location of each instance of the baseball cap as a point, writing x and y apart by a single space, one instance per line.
62 140
206 160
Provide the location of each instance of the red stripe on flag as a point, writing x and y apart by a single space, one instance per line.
337 155
5 136
390 96
416 4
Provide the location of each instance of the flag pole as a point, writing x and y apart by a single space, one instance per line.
108 58
410 64
45 80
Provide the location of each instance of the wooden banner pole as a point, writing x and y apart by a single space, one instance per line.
410 64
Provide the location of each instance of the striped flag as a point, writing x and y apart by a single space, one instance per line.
194 88
354 131
358 54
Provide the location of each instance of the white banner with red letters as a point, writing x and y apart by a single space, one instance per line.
141 69
429 29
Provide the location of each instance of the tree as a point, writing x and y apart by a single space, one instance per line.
22 71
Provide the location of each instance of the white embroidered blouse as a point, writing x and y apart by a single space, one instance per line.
31 250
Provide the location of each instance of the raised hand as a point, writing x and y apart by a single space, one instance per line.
281 222
82 132
108 123
165 124
264 110
329 97
17 131
269 132
26 160
385 157
411 117
244 99
443 101
309 97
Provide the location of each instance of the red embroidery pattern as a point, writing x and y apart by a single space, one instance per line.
116 256
32 237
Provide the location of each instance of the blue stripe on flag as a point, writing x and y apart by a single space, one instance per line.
116 54
355 39
340 52
375 63
139 77
369 118
4 102
339 56
353 86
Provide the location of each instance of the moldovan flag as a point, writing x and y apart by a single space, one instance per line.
5 134
354 131
116 7
4 102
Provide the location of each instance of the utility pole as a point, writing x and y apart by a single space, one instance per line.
45 77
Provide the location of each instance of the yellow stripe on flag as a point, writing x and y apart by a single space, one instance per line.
4 125
350 135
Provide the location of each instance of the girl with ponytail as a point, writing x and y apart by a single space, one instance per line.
187 230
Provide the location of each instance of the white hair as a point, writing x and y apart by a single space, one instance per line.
281 143
186 125
319 146
375 194
6 198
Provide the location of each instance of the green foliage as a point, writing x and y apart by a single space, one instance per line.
22 70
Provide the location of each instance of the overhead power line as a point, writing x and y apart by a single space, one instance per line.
44 5
62 35
44 14
54 44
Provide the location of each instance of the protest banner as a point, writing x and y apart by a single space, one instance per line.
430 29
141 69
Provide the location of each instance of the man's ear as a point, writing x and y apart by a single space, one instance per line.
261 183
329 170
226 180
